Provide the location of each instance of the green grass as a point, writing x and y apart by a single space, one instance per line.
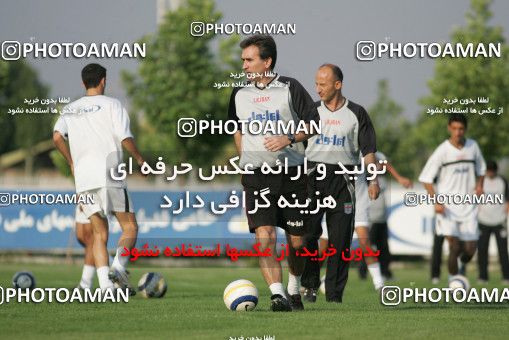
193 308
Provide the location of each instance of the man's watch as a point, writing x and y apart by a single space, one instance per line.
291 138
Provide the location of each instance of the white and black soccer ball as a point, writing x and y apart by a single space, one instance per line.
23 280
241 295
152 285
459 281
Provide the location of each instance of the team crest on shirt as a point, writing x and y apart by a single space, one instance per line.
348 208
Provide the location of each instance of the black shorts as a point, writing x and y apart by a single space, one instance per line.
289 219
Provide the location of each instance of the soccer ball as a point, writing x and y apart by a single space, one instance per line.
23 280
241 295
459 281
152 285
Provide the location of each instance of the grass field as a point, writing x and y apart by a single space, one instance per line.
193 308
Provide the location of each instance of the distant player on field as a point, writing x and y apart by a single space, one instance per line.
460 167
272 97
97 127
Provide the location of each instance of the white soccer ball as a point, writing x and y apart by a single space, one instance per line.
241 295
152 285
23 280
459 281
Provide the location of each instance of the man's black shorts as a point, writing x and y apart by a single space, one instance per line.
289 219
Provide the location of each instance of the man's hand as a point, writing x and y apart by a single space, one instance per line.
439 208
276 143
373 190
406 182
478 190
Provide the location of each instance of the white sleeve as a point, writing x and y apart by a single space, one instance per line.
61 127
432 167
121 123
380 156
480 164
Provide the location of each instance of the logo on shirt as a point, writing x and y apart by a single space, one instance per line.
266 116
89 109
261 99
461 170
332 122
331 140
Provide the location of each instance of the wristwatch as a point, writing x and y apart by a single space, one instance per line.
291 138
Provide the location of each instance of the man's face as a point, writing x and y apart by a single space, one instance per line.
326 84
456 131
252 63
490 173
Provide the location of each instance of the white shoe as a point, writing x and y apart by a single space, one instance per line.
435 280
121 279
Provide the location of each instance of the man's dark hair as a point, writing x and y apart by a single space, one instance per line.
92 75
458 117
491 165
266 45
335 70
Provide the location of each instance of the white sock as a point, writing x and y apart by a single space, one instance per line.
293 284
120 262
376 275
104 281
277 288
87 276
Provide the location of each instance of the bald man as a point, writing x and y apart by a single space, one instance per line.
346 133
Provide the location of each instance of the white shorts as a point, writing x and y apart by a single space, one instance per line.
80 216
464 230
361 206
107 201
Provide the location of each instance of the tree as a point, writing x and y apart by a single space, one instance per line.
22 130
390 126
176 80
468 78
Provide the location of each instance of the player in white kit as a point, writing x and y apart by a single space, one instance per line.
459 166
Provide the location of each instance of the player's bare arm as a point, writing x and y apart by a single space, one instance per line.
439 208
131 147
404 181
238 141
61 146
373 188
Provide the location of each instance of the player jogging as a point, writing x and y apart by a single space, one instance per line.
272 97
456 162
97 127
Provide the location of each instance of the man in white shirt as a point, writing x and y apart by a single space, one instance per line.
459 165
493 219
97 128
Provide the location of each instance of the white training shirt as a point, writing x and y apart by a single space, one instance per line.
494 214
95 127
456 171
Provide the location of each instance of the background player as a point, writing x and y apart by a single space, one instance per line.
493 219
98 127
285 99
456 162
